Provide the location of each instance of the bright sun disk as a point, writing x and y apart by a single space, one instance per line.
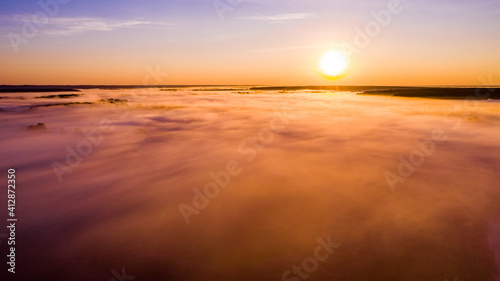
334 64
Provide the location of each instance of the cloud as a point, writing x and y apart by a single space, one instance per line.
279 49
77 25
278 18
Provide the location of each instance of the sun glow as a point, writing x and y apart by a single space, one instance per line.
333 64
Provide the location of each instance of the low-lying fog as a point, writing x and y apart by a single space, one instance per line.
200 185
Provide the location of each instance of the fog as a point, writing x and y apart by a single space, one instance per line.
297 167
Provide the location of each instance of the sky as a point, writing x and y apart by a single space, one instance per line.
248 42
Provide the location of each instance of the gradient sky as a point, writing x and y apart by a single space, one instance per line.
258 42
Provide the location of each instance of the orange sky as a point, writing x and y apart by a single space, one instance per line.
431 44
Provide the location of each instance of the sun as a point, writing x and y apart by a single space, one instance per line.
333 64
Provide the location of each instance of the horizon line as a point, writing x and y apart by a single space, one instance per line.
235 85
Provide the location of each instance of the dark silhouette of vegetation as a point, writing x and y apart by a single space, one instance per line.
59 104
440 93
115 100
37 127
480 93
62 96
36 89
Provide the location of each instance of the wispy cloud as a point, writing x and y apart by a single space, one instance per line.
77 25
291 48
278 18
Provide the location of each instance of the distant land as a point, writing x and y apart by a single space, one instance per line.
464 92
